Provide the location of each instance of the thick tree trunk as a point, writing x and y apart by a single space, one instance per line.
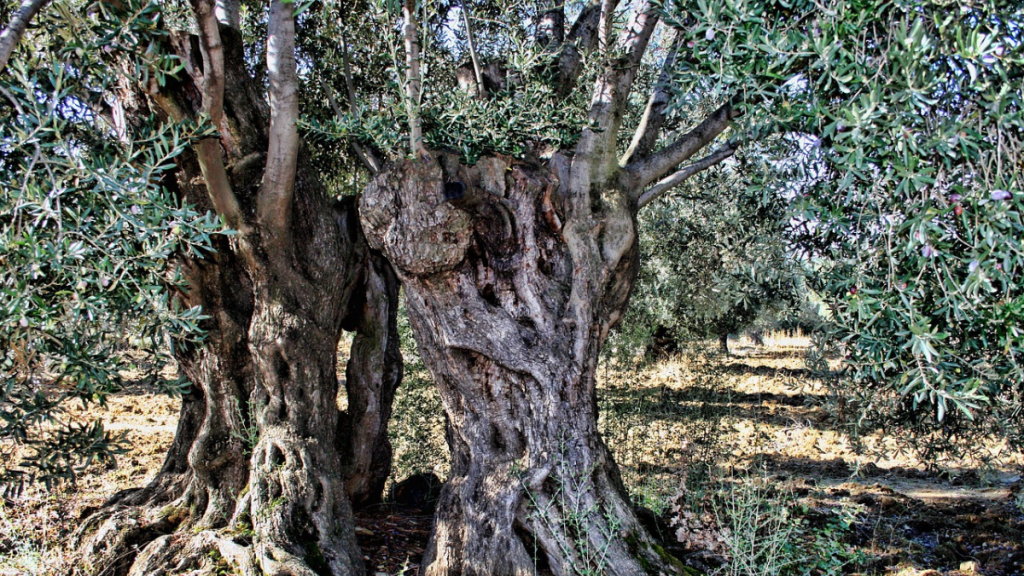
510 308
256 471
723 344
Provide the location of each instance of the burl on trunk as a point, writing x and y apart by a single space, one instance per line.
513 279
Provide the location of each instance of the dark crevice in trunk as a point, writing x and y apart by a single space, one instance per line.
511 330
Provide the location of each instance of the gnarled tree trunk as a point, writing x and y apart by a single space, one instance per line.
263 466
513 276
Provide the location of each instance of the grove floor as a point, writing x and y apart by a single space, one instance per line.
756 413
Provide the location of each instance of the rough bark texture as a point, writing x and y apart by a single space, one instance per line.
262 464
513 279
373 374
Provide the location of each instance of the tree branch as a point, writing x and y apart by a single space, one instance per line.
275 196
365 155
12 34
208 150
611 91
413 82
646 135
551 24
659 189
582 37
646 170
481 92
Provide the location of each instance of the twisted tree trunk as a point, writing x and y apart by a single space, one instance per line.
263 466
513 278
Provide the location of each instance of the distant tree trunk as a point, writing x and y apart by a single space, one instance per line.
263 466
510 308
723 343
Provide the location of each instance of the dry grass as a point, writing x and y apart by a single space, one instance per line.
677 427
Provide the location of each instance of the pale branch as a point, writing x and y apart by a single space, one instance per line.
275 196
12 34
666 184
480 90
209 150
604 31
646 135
365 155
611 92
413 81
584 30
644 171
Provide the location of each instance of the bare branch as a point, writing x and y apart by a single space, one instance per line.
413 82
481 92
365 155
646 135
646 170
209 151
659 189
12 34
275 196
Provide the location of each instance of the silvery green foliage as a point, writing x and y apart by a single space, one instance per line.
87 232
910 208
715 252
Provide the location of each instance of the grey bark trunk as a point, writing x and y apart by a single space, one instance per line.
509 308
723 344
257 471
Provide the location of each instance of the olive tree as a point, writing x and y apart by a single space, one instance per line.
150 168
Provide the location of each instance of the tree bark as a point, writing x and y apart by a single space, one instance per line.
510 307
723 344
256 470
371 379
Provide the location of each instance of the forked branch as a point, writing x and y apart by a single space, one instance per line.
611 91
666 184
647 170
582 39
646 135
208 150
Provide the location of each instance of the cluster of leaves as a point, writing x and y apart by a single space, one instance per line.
714 255
87 232
524 113
909 204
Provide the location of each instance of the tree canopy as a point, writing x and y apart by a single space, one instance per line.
168 172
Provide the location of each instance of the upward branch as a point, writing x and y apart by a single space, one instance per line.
11 35
582 37
413 82
611 91
275 196
646 135
478 73
644 171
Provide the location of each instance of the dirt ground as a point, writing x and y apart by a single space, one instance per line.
756 412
